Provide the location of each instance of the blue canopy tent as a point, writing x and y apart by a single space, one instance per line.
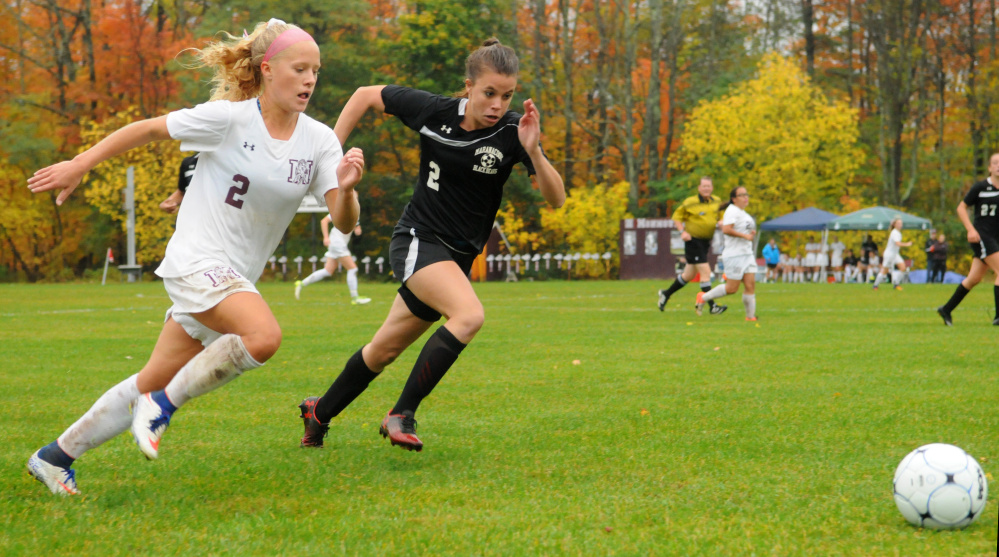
805 219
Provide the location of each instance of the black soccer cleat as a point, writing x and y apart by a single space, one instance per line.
717 309
314 430
401 430
942 311
663 298
996 321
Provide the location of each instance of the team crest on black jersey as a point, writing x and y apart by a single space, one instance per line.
491 157
301 171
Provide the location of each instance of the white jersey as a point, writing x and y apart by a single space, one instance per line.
837 249
743 223
892 249
247 185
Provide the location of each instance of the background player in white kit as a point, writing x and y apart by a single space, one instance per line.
337 252
259 158
738 255
892 260
836 258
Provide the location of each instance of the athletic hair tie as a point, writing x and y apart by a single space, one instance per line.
285 39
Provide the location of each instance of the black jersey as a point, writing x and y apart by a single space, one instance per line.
984 197
187 167
462 173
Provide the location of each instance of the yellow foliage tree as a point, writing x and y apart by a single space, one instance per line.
589 222
521 238
156 166
778 136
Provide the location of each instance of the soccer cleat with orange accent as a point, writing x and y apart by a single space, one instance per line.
751 319
59 480
314 430
149 422
401 430
700 303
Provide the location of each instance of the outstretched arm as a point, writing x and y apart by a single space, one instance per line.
67 175
549 180
363 99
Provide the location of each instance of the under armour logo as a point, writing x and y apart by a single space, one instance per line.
445 129
245 145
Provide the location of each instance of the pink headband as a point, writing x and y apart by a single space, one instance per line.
287 38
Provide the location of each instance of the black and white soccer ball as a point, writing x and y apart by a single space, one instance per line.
940 486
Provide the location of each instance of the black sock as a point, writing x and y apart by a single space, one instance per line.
995 295
677 284
705 287
437 356
351 382
54 455
954 300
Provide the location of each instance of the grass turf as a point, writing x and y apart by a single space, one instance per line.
580 421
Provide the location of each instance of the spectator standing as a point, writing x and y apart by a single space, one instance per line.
936 259
771 256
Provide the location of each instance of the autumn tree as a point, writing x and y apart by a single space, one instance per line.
589 222
778 136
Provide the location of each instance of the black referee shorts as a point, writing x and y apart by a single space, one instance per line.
408 254
696 250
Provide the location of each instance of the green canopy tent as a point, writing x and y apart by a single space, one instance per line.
877 218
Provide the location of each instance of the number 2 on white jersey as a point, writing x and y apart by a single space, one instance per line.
435 173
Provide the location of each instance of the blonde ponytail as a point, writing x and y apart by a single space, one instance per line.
236 61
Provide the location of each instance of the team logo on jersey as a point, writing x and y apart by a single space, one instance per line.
301 171
491 156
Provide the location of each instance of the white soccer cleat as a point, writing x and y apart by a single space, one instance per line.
149 423
359 300
61 481
298 289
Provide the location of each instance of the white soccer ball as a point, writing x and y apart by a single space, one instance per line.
940 486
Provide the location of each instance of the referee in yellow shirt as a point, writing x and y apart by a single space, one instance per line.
696 219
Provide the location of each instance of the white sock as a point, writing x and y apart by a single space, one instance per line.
896 278
221 362
838 276
108 417
749 300
352 282
879 279
316 277
715 293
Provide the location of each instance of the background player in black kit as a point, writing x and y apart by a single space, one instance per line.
468 147
983 237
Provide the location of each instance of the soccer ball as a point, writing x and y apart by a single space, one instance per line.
940 486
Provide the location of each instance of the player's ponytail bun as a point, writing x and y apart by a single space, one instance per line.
493 56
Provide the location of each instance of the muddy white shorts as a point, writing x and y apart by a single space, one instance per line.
200 292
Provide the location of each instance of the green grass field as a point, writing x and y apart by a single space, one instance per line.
581 421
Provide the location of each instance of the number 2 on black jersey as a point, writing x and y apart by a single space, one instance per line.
435 173
243 186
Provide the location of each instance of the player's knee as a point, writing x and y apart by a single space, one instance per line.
466 324
263 344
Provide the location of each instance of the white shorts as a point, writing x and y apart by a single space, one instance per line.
822 260
809 260
892 261
837 261
200 292
338 245
736 266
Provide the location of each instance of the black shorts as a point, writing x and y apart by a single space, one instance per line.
696 250
985 247
409 254
771 266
